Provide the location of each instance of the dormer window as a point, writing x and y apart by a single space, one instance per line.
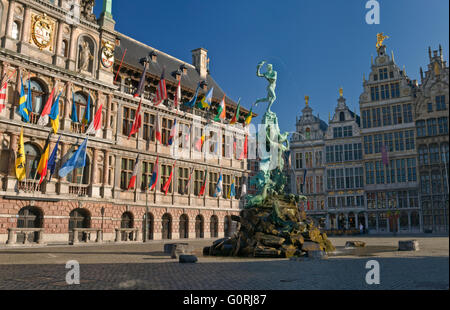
308 133
153 56
342 117
183 69
204 85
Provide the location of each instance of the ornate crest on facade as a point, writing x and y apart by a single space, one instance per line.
42 29
107 54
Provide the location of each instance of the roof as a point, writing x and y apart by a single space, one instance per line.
137 50
356 117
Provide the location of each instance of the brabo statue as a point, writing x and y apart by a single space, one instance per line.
271 77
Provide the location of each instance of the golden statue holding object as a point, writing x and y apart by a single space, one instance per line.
306 100
380 39
341 92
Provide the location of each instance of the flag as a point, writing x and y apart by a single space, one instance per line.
74 116
158 130
244 152
189 181
51 165
87 113
54 115
384 155
3 95
191 103
221 111
173 132
235 118
177 99
161 91
166 186
304 180
140 88
96 123
205 103
154 175
199 143
23 110
219 186
244 189
137 121
133 176
42 167
20 159
232 190
249 117
43 119
202 189
77 160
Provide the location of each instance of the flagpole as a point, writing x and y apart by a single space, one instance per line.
82 171
120 66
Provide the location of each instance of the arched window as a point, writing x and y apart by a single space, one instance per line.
79 218
214 226
29 217
32 156
81 101
38 96
64 48
127 220
166 226
199 226
184 226
15 31
308 133
77 174
342 117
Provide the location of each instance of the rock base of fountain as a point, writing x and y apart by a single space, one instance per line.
275 229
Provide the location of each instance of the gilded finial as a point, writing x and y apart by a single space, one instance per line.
341 92
380 38
306 100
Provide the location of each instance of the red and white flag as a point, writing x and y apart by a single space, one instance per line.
96 123
137 121
158 130
3 96
177 99
133 176
161 91
43 119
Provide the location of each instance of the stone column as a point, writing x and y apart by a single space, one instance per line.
366 218
95 188
11 179
346 221
356 221
106 186
72 50
8 42
67 122
409 221
14 103
108 130
58 58
25 29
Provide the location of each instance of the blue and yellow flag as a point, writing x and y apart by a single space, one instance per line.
20 159
29 97
74 116
87 113
232 190
205 103
23 109
54 115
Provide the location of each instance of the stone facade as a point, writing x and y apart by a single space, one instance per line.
75 59
431 119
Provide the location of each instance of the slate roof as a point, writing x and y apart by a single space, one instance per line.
137 50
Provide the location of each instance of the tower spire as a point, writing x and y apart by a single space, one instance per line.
107 8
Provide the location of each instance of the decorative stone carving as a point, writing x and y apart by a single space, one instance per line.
42 30
87 7
85 56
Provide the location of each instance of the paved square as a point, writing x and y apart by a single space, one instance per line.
145 266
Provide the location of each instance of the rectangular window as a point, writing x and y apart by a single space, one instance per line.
128 119
367 123
369 173
213 179
379 168
399 143
329 154
372 93
340 181
401 171
226 184
318 158
425 184
331 185
377 93
390 172
397 114
432 127
126 172
378 141
359 177
348 131
349 178
309 159
421 129
388 142
298 160
147 171
407 113
357 151
368 145
183 178
338 150
166 126
198 181
348 152
395 90
148 127
443 125
387 121
376 117
409 140
440 103
165 174
412 176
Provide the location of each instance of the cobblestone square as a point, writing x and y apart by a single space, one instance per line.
145 266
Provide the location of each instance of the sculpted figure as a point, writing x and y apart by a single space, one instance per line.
85 56
271 77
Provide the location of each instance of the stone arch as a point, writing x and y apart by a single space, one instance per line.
199 226
79 218
184 226
127 220
29 217
150 229
33 153
214 226
166 226
86 62
85 172
351 220
39 96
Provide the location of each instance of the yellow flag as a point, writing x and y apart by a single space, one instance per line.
20 159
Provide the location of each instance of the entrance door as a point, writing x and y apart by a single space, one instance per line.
167 226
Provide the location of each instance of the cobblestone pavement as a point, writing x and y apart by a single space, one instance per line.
145 266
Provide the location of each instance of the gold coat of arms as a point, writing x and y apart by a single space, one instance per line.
107 54
42 29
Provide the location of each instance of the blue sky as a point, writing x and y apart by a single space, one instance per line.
316 46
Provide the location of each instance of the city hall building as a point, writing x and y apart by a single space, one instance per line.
50 44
